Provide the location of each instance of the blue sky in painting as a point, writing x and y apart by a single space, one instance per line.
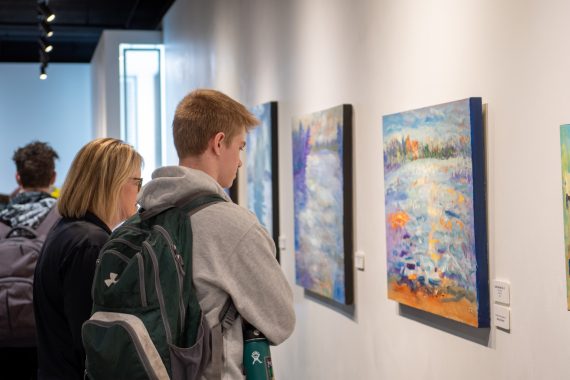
450 119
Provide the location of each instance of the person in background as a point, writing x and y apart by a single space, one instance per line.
25 209
35 175
98 194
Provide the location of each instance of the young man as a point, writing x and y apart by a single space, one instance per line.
233 255
35 173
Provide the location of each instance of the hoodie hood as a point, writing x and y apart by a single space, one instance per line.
27 209
171 184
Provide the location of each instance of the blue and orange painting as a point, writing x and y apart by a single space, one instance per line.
434 179
320 257
259 168
565 151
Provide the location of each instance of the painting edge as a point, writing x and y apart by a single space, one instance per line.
478 149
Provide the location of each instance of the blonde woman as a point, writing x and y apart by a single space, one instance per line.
99 193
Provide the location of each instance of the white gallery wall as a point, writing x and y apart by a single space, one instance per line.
387 56
105 78
56 110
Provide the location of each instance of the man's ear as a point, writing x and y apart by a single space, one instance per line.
18 179
53 177
217 142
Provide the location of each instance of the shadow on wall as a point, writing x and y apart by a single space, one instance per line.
346 310
476 335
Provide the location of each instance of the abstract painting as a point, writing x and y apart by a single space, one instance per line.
565 150
262 170
322 179
436 229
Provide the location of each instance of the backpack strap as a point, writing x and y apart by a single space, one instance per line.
4 230
228 313
51 218
228 316
200 202
30 232
192 205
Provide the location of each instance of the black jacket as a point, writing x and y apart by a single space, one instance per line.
62 294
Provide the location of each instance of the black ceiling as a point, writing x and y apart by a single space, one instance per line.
77 26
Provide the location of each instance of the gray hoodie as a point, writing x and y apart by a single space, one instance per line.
233 256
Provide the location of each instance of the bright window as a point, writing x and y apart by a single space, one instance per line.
142 102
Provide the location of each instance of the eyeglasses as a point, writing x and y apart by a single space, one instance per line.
139 182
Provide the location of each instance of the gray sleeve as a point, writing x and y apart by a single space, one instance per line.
258 287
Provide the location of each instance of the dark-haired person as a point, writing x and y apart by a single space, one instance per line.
100 192
35 173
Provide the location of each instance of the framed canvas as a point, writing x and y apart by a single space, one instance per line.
322 179
565 152
262 169
436 227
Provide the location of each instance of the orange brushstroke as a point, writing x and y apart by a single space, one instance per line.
398 219
445 224
463 310
412 146
460 224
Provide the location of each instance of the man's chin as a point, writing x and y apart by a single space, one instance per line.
227 185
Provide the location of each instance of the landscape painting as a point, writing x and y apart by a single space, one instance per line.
322 176
261 168
565 150
436 229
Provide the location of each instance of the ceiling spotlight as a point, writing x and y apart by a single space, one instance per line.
45 45
43 75
46 28
46 11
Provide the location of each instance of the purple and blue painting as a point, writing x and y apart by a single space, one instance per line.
261 167
565 153
434 179
323 203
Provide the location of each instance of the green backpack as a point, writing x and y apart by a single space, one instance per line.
146 322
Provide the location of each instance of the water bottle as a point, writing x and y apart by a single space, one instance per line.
256 354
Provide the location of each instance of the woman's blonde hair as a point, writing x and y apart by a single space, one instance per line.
95 178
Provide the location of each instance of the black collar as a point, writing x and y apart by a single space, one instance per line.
92 218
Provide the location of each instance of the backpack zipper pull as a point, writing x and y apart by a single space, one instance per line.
177 255
180 261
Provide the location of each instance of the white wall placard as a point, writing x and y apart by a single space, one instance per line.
502 292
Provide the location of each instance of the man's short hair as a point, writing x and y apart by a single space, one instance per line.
201 115
35 164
